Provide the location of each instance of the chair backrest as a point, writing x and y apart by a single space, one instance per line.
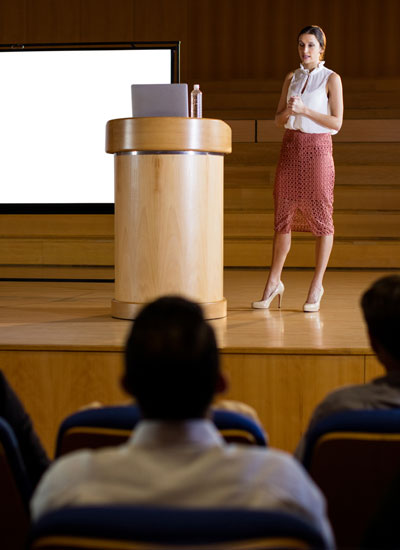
133 528
354 456
15 491
107 426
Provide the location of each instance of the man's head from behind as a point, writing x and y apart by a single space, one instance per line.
381 308
171 361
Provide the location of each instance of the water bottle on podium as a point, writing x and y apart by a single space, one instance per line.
196 102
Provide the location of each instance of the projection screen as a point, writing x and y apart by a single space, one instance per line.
54 106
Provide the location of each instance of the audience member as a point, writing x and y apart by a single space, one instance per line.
176 457
381 308
11 409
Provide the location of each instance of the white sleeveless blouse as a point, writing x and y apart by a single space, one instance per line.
314 97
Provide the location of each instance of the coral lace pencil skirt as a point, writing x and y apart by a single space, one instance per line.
304 182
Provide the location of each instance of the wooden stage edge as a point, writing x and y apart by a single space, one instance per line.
61 349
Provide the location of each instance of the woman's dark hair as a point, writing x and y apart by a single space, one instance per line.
319 35
171 360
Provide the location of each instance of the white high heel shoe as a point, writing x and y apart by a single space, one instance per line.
308 307
264 304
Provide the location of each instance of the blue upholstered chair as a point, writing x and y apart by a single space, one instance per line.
354 456
15 491
132 528
107 426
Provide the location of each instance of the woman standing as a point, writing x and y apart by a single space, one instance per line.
311 110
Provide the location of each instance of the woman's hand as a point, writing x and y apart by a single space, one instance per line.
296 105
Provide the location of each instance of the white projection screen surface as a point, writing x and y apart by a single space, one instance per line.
54 106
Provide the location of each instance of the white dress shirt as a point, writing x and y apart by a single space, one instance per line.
314 96
182 464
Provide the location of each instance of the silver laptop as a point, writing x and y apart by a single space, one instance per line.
150 100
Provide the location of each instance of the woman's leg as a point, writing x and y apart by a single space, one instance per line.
280 249
323 248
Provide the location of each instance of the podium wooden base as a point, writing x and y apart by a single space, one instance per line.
129 310
169 190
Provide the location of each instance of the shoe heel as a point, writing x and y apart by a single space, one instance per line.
280 298
314 306
264 304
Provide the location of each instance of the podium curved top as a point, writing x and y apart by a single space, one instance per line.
168 134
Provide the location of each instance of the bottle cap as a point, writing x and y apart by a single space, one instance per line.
196 87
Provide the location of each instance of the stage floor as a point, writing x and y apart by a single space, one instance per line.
76 315
61 349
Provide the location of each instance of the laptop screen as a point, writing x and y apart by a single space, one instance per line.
159 100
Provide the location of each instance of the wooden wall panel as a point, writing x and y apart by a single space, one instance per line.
54 384
13 18
284 389
107 20
48 21
347 253
79 21
236 39
243 44
221 39
163 20
57 225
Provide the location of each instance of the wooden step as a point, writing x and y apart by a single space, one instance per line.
56 272
57 225
378 112
243 130
270 99
353 154
371 84
242 176
242 85
347 197
368 224
368 174
379 130
371 131
33 256
382 254
241 100
57 252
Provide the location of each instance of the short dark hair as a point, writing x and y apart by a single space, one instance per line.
171 360
319 35
381 308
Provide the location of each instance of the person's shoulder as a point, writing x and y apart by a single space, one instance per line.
77 461
350 389
289 76
271 458
288 79
63 475
355 396
345 393
334 78
275 467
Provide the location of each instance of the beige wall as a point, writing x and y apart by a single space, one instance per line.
221 39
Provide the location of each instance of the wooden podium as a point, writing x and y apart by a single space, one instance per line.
169 175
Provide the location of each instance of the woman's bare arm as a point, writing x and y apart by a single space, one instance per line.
282 112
